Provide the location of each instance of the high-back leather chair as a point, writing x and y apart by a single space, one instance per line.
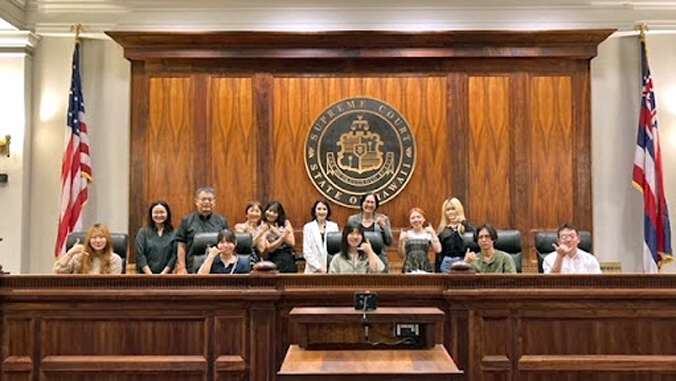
544 241
333 242
120 244
202 240
508 241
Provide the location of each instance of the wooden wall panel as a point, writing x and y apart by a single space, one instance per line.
233 328
126 336
21 341
551 148
495 331
299 101
232 139
489 159
501 119
172 152
122 376
639 336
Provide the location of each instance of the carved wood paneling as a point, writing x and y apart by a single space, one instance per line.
551 151
500 118
232 137
129 336
421 100
21 342
518 327
489 160
173 150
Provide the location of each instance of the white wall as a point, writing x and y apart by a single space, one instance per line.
106 78
618 212
616 91
15 71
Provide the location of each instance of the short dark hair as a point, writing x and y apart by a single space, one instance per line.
349 228
168 226
281 214
314 206
567 226
491 231
252 204
206 190
363 198
228 235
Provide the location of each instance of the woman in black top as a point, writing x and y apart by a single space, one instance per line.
451 228
155 243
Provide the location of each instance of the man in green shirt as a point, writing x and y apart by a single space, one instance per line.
489 260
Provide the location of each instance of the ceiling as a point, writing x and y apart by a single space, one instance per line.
56 16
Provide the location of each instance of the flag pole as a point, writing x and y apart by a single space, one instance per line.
642 29
77 29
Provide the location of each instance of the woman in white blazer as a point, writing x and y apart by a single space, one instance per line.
314 238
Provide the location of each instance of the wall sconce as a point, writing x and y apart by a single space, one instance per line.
4 144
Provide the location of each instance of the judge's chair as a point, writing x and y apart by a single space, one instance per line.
508 241
544 241
333 243
202 240
120 244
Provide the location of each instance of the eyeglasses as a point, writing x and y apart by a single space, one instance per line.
484 237
206 199
567 236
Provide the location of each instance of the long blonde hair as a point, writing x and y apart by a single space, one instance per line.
97 229
461 214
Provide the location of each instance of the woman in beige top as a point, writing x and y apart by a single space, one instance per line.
95 256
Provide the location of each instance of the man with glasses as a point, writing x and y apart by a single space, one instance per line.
204 220
567 257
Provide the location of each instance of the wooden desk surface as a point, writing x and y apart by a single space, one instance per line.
422 364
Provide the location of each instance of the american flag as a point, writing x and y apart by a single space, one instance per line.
648 178
76 172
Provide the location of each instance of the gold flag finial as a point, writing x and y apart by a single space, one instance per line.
77 28
642 29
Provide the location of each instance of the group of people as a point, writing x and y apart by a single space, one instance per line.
161 249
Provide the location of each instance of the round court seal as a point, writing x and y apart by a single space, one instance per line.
358 146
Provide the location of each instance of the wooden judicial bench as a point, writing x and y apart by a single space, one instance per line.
521 327
332 346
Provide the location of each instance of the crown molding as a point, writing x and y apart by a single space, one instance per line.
14 12
57 16
22 42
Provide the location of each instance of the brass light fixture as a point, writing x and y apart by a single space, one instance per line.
4 144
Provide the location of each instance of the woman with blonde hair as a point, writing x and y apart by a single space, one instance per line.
452 226
95 256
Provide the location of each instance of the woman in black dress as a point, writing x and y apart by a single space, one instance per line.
155 243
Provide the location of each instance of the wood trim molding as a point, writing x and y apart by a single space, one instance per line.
579 44
598 363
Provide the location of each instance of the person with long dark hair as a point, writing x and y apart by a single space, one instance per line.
155 243
277 247
94 256
356 254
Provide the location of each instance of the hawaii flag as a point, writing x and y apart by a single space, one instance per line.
648 178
